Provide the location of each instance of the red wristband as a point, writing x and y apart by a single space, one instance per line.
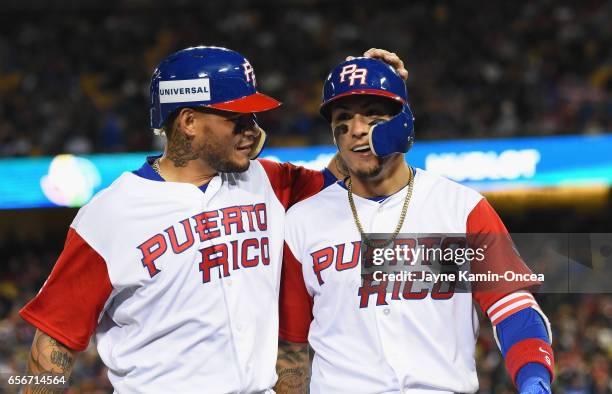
529 351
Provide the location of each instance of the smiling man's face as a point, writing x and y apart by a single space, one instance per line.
351 119
226 139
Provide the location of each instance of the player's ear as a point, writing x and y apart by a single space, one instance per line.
186 121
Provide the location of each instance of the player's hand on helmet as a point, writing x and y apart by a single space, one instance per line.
535 385
390 58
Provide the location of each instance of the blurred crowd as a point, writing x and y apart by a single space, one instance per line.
582 342
581 323
26 265
74 75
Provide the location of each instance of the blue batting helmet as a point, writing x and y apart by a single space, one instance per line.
202 76
366 76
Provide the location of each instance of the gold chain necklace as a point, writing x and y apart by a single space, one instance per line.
155 167
381 243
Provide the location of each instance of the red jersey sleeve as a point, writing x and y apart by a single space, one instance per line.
69 304
295 303
293 183
486 230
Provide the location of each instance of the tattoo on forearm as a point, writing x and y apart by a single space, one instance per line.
48 356
293 368
62 360
180 150
43 390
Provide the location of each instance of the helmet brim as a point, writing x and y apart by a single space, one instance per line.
256 102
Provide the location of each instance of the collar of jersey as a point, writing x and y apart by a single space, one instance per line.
146 171
378 199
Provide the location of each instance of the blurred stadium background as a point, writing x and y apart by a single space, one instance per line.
74 80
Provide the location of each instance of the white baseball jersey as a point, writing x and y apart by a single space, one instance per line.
180 286
370 340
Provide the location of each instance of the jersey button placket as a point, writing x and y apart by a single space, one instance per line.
392 355
373 214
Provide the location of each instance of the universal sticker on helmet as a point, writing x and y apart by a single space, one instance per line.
188 90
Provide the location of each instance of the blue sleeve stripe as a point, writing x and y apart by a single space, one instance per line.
524 324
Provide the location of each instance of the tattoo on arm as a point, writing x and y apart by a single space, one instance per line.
62 360
292 368
48 356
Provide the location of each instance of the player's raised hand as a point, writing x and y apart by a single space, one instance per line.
389 57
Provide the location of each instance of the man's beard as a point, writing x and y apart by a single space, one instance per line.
215 155
369 173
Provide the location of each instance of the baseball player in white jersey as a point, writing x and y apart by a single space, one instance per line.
175 267
371 335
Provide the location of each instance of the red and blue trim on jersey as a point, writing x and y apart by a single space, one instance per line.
328 178
146 171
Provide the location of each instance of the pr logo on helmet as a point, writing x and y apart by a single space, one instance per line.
353 74
249 73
